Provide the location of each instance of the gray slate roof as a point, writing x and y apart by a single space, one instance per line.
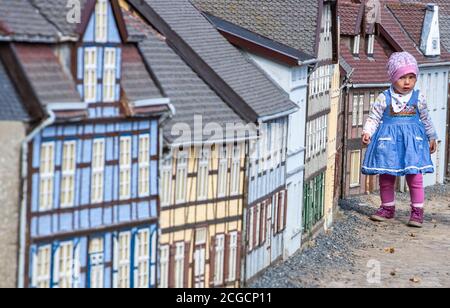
186 90
55 11
249 82
290 22
21 21
11 108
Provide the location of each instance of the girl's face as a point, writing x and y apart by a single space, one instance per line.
405 84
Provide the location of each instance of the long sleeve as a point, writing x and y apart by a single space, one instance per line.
426 118
375 116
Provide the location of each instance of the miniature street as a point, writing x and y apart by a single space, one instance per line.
348 257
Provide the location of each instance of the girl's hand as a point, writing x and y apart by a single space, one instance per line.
433 146
366 139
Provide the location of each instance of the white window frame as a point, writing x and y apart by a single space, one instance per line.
42 267
164 266
219 260
123 260
223 172
232 259
64 265
98 171
96 262
109 75
67 194
143 259
250 232
355 110
144 165
181 177
179 265
166 182
101 21
90 74
355 166
47 175
236 171
203 174
125 168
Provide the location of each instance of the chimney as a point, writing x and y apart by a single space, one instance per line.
430 43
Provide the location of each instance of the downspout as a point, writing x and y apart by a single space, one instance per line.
347 85
23 211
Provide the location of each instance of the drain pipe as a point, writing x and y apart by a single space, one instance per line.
23 211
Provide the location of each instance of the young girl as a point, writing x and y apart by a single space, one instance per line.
401 139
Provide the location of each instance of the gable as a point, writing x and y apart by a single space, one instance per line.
113 31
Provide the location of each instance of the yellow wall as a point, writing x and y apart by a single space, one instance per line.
202 214
331 149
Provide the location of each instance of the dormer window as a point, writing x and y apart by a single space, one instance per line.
356 43
101 21
370 44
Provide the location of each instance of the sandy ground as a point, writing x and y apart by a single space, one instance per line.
361 253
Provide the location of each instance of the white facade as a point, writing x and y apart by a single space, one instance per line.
433 83
293 80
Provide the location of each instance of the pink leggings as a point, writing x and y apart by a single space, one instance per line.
415 183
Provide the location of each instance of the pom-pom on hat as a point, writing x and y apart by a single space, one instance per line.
401 64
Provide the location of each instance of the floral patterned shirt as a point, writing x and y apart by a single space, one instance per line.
380 105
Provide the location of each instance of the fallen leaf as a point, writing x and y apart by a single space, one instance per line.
389 250
412 235
393 273
415 279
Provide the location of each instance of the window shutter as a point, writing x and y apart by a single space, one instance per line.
227 257
55 261
249 240
262 222
187 262
212 261
279 216
285 209
238 258
172 252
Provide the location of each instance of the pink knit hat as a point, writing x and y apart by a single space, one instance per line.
401 64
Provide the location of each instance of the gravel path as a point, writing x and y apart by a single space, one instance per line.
360 253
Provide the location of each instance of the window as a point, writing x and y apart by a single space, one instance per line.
47 169
232 267
96 263
219 260
65 265
371 99
144 165
68 174
356 43
179 265
370 44
236 171
90 75
164 267
125 168
166 182
199 258
223 172
101 21
282 213
143 259
98 168
109 75
203 175
355 172
181 183
361 110
124 260
41 268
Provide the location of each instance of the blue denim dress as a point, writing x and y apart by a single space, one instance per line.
400 145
